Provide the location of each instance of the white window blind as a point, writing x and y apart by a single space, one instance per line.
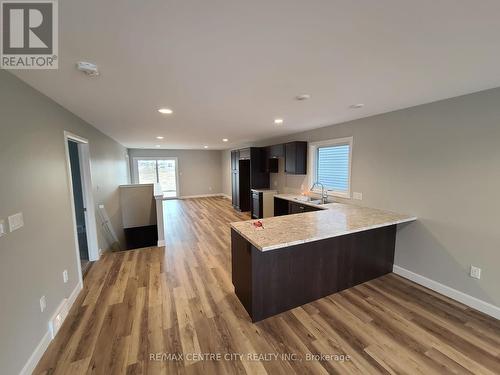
332 167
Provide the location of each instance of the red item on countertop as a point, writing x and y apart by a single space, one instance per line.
258 224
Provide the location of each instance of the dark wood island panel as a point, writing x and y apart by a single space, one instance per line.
270 282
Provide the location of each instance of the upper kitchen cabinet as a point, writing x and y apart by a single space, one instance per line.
276 151
273 153
296 157
259 177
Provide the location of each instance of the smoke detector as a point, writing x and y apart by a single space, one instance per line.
88 68
302 97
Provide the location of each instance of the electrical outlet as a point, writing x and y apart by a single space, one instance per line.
43 304
357 196
275 183
65 276
57 319
210 188
475 272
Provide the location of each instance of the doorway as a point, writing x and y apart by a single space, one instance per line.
158 170
82 202
81 226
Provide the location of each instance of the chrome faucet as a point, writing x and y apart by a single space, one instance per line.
324 192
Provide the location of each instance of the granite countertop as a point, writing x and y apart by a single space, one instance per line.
335 219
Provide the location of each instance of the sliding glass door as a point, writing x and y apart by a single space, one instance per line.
161 170
167 176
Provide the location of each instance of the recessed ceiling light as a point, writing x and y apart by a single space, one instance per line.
225 139
278 121
303 97
205 146
357 106
158 146
166 111
159 137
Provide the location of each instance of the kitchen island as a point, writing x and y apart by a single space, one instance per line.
295 259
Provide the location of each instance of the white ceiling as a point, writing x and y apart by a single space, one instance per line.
229 67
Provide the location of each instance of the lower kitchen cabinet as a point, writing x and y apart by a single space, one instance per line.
286 207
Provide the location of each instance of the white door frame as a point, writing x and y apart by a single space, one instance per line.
135 170
88 197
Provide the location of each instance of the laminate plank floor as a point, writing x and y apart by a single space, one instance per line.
172 310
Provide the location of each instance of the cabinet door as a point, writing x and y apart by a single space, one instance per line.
235 180
280 207
271 162
257 205
296 158
259 176
276 151
290 157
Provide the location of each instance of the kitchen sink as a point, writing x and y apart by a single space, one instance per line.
309 200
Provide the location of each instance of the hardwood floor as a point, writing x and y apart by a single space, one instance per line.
139 305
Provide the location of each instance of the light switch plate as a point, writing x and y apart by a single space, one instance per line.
2 228
43 303
357 196
65 276
475 272
16 221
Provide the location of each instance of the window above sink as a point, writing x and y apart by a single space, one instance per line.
331 166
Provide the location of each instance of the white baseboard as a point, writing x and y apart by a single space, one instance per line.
226 196
36 355
201 196
74 294
475 303
46 339
161 243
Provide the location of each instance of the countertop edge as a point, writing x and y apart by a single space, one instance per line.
319 238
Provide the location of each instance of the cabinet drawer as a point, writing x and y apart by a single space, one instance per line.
297 208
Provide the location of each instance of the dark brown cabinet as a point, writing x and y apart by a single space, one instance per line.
235 178
247 172
297 208
280 207
273 153
257 205
259 177
296 157
251 166
240 182
276 151
286 207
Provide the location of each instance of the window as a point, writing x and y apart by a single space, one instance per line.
147 171
331 166
163 171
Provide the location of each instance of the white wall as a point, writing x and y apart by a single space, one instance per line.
34 180
440 162
200 171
